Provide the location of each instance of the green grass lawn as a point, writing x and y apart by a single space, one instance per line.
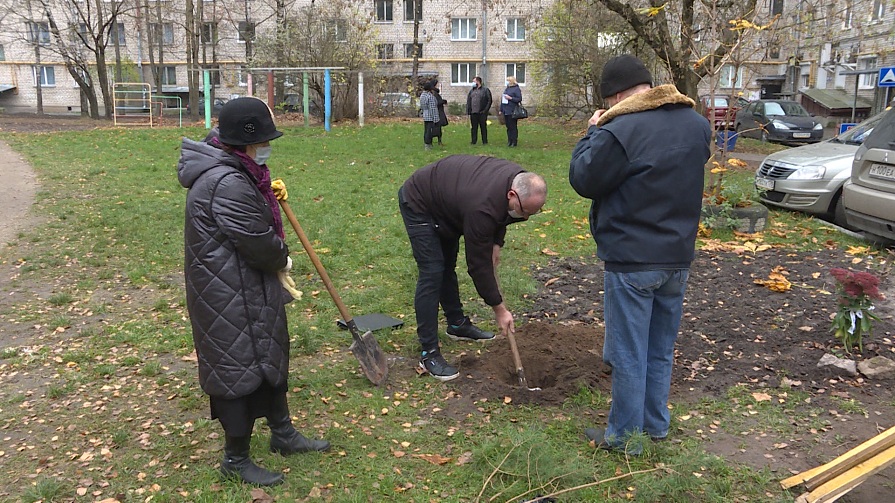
104 402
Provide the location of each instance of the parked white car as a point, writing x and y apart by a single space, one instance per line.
810 178
870 196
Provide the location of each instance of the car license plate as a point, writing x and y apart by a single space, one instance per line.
801 135
764 183
882 171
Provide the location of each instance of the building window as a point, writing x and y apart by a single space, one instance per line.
462 73
165 30
868 80
385 51
879 10
214 75
337 29
411 8
515 29
516 70
210 32
117 30
731 77
776 7
847 15
39 32
242 76
245 31
44 76
463 28
169 76
804 76
2 53
384 11
408 50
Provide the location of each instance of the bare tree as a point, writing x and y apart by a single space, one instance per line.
656 22
338 33
571 44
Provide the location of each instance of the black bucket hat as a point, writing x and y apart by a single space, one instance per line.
246 121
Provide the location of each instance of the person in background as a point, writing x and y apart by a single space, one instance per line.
478 104
429 108
512 96
234 257
472 196
442 117
642 164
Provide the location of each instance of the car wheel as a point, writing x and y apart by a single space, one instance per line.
838 213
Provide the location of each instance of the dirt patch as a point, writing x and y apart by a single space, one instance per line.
733 332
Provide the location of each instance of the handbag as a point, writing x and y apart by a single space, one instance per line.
519 112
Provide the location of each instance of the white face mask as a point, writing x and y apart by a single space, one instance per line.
262 154
515 214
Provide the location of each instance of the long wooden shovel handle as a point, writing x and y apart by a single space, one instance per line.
317 264
518 361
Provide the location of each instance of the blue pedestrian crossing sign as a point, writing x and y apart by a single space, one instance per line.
886 77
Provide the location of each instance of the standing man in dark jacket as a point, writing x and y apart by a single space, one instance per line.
642 163
478 104
234 250
475 197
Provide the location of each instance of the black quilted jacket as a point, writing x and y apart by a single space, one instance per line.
235 301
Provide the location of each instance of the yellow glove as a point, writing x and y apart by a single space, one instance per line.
279 189
289 284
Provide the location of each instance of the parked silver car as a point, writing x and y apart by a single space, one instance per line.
869 196
810 178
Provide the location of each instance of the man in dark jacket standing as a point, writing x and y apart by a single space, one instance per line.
478 104
475 197
234 250
642 163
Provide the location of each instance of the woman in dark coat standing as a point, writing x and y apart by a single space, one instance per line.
234 251
442 117
512 96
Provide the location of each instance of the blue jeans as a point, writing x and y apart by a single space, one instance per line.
436 260
642 311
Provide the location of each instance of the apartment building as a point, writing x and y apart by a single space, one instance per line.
457 40
820 52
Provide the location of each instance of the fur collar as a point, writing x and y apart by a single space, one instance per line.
648 100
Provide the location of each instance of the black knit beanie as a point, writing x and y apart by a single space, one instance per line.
621 73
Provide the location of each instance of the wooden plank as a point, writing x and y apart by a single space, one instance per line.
848 480
819 475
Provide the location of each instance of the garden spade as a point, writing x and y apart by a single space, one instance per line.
365 347
520 372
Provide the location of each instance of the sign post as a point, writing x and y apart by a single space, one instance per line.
886 79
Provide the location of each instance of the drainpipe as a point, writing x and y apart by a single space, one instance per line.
484 72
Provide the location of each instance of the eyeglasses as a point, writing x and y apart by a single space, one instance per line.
525 213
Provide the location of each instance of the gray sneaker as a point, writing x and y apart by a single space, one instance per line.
435 364
466 331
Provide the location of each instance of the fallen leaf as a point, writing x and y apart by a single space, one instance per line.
761 397
549 252
435 459
464 458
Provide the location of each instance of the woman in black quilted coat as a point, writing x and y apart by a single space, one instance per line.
234 250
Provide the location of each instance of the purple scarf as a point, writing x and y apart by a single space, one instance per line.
262 180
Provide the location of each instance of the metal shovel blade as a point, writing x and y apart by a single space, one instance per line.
370 356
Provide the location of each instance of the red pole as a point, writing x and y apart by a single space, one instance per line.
270 96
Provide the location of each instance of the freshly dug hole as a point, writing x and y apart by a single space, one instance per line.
559 359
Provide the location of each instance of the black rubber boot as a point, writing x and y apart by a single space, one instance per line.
284 439
238 464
